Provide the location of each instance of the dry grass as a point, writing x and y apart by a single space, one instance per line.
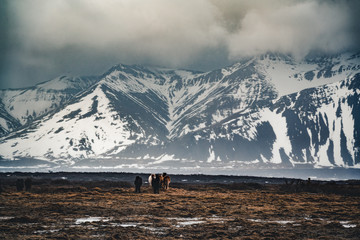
185 211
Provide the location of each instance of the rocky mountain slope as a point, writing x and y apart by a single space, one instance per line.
25 105
267 110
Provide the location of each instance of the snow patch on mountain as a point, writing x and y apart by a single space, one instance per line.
279 125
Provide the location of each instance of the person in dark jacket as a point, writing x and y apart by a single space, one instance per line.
138 183
156 183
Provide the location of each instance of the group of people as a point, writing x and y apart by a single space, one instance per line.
156 181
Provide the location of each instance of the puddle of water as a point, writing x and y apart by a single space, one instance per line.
46 231
128 224
98 236
311 219
185 219
80 226
283 222
159 230
189 223
91 219
181 222
218 219
346 224
256 220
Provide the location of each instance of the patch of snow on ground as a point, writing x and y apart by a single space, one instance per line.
272 221
181 222
91 219
346 224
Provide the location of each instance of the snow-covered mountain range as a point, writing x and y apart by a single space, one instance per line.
269 110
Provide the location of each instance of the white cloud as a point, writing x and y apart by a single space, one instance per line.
160 29
296 29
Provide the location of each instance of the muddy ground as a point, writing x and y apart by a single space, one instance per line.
103 208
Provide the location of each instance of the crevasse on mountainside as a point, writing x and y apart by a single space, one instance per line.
267 110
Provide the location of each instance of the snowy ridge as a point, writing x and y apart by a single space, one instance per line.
84 129
228 117
290 76
25 105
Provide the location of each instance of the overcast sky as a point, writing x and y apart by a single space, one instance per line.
42 39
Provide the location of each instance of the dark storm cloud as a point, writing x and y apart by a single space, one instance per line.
44 38
4 38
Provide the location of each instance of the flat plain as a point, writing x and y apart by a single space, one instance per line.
59 208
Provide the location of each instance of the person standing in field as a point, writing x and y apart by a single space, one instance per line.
156 183
138 183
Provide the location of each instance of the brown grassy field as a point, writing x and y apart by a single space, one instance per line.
111 210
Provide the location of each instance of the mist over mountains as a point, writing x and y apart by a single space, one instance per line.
264 111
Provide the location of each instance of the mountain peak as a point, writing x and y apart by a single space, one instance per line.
262 111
